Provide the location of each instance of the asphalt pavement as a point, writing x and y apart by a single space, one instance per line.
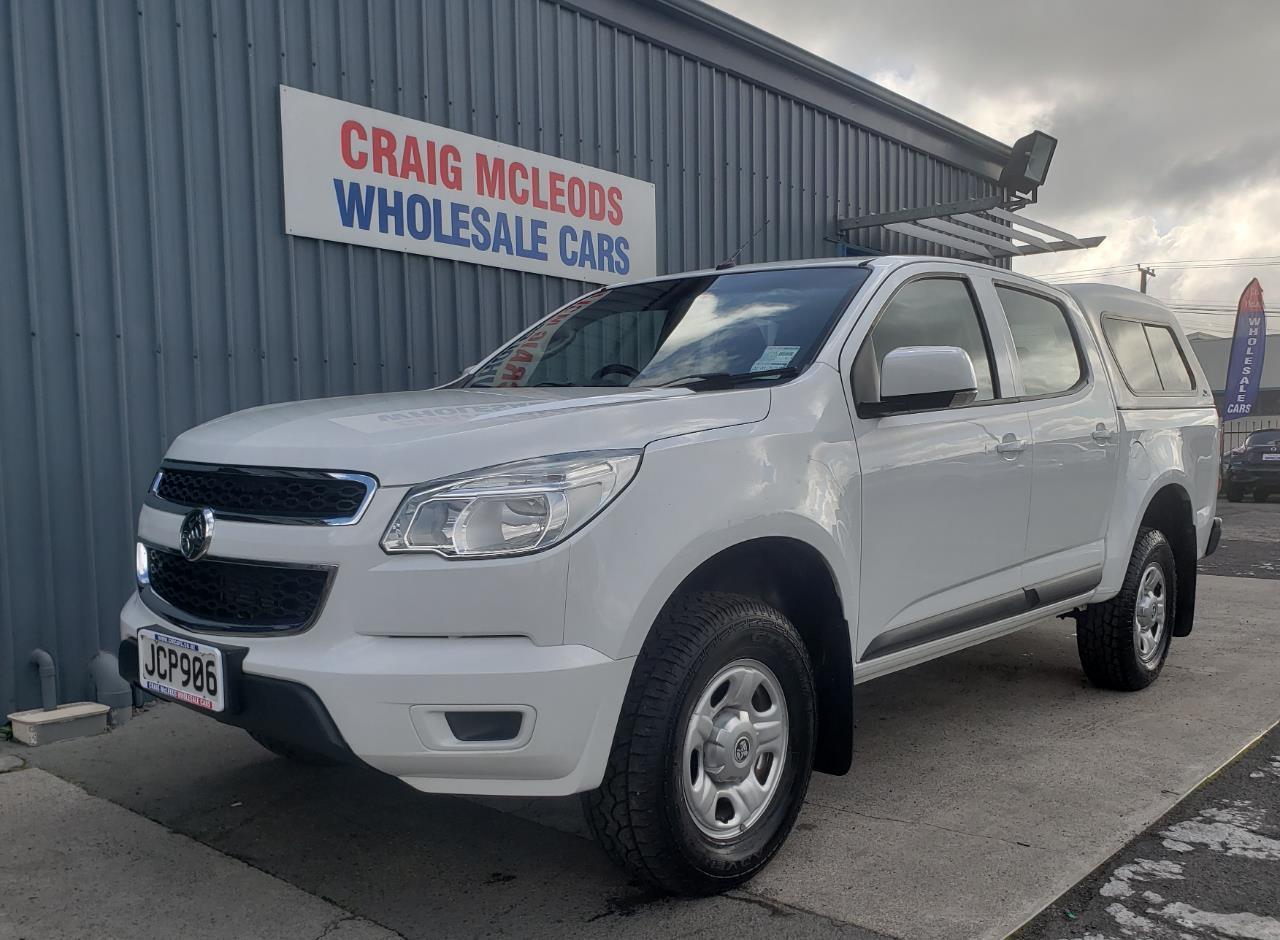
1250 540
986 785
1209 868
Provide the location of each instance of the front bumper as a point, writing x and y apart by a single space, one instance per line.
372 697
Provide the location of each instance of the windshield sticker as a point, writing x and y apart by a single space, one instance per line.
775 357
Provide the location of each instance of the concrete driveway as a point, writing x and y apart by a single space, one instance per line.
985 785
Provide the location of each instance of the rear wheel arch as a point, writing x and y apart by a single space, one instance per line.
794 577
1171 512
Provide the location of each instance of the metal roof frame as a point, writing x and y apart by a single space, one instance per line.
985 228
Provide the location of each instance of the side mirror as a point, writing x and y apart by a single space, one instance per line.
916 378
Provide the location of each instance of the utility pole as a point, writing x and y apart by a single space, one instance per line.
1145 273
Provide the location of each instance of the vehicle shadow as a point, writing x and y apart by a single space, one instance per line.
965 744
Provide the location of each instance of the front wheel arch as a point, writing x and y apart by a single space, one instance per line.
794 578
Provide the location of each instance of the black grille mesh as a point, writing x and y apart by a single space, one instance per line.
262 494
234 596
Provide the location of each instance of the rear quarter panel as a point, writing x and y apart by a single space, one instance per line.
1160 446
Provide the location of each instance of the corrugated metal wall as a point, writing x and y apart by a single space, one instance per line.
146 283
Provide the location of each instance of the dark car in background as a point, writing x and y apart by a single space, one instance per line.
1253 466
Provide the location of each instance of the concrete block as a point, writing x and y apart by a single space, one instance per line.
75 720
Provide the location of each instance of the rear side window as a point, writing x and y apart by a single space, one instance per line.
1174 374
1148 356
928 312
1046 346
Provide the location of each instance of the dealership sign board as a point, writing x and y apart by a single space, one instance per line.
367 177
1248 346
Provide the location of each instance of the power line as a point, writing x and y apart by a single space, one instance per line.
1217 260
1060 278
1174 264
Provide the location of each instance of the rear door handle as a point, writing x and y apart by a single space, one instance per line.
1011 446
1103 434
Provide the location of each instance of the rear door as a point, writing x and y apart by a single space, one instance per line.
1074 440
945 492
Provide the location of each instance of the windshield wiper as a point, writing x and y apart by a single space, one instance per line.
711 381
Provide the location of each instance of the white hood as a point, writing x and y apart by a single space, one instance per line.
411 437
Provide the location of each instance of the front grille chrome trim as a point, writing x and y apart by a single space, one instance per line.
160 606
156 501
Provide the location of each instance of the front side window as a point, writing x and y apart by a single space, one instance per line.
927 312
1148 356
730 325
1047 349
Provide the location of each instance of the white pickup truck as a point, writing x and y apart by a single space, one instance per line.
645 551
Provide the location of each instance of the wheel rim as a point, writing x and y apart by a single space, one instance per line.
735 749
1149 614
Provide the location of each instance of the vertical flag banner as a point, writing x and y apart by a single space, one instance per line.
1248 344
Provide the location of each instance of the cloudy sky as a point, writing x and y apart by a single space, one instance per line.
1167 113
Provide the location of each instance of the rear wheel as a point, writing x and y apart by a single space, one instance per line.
1235 494
712 755
1123 642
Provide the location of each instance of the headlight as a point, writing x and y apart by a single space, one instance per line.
511 509
140 564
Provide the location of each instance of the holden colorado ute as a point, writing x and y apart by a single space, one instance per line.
645 551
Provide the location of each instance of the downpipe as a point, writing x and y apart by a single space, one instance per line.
48 679
109 689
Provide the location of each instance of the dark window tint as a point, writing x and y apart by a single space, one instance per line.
1148 356
1174 374
932 312
660 332
1262 437
1046 347
1128 341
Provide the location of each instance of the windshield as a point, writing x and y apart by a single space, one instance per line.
761 324
1263 437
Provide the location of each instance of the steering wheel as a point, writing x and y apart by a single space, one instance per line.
620 368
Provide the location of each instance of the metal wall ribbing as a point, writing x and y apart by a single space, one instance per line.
146 283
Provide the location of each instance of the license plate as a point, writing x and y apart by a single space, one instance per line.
1271 456
182 670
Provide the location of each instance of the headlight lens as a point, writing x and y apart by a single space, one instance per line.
511 509
140 564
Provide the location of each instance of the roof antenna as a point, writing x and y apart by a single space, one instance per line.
733 258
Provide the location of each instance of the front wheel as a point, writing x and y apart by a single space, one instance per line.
1123 642
714 747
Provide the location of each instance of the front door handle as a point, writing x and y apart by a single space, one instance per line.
1103 434
1011 446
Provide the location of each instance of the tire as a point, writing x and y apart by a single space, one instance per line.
296 754
1235 494
1113 654
703 648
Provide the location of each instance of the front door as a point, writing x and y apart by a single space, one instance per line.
945 492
